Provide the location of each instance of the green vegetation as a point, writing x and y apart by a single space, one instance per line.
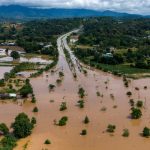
15 55
20 67
125 133
26 89
35 109
111 128
63 106
33 120
61 74
129 93
86 120
132 102
22 127
146 132
63 121
122 44
58 81
44 31
51 86
33 99
48 67
139 104
47 141
2 82
4 129
136 113
9 142
81 103
83 132
81 92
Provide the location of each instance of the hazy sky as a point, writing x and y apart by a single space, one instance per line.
130 6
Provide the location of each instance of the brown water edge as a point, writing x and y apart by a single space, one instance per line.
68 137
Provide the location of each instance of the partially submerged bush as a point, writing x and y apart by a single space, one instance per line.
63 121
125 133
139 104
47 141
146 132
4 129
86 120
129 93
35 109
81 103
136 113
51 86
63 106
111 128
83 132
22 127
81 92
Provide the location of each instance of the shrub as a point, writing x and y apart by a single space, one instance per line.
63 106
4 128
83 132
63 121
86 120
129 93
136 113
51 86
145 87
146 132
47 141
61 74
125 133
22 127
33 100
33 120
131 102
2 82
58 81
8 143
139 104
81 92
81 103
98 93
26 89
35 109
111 128
15 55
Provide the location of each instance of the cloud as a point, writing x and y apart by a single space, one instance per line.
130 6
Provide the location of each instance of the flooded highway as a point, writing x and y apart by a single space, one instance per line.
117 109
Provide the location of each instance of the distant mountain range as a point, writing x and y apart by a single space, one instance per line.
23 12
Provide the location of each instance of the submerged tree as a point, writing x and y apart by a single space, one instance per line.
83 132
111 128
86 120
125 133
63 106
81 92
22 127
15 55
81 103
146 132
136 113
4 128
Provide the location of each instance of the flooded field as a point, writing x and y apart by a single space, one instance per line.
117 110
24 59
3 70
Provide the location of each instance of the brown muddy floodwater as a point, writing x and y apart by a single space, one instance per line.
68 137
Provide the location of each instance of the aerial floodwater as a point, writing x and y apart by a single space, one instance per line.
106 102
